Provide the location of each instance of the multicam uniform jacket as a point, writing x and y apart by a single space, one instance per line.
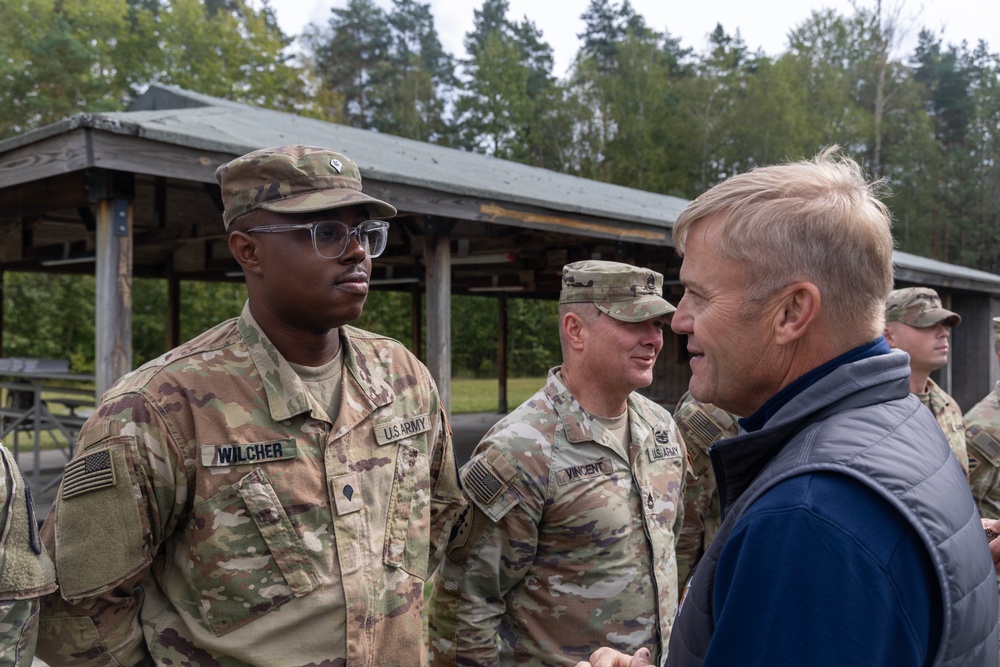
212 515
567 545
949 416
26 573
982 435
700 425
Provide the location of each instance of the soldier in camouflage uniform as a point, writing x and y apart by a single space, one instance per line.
277 490
575 497
982 435
26 573
916 323
700 425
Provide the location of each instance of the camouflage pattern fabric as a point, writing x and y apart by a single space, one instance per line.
625 292
566 546
700 425
982 436
18 632
919 307
211 517
26 573
293 179
949 416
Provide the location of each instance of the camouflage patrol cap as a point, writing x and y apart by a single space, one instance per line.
622 291
919 307
293 179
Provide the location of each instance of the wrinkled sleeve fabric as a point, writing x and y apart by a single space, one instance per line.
120 497
823 571
489 554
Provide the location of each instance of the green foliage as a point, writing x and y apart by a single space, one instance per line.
510 105
49 316
381 71
638 109
59 58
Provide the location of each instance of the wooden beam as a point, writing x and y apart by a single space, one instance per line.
145 156
113 326
413 199
438 263
66 191
57 154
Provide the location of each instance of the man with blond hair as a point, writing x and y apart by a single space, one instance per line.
848 534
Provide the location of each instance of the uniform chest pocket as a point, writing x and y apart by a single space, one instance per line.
247 559
407 535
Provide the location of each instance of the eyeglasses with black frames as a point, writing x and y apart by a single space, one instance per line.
330 237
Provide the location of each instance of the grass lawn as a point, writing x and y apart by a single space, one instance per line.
480 395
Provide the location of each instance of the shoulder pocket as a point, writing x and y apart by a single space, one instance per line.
98 505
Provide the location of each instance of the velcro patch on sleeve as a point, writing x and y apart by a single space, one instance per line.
986 444
483 481
584 471
89 472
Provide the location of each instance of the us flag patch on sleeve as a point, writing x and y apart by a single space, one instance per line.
88 473
483 481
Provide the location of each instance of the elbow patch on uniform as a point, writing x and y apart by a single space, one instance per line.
100 537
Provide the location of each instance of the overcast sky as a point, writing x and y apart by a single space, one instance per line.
763 24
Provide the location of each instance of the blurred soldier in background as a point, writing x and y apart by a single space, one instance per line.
916 323
26 572
982 436
700 424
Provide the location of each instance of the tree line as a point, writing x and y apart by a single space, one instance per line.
637 108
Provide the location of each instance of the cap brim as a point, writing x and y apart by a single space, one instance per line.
950 319
929 318
325 200
636 310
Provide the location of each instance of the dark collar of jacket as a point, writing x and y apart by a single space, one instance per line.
867 381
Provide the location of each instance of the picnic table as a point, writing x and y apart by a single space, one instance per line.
42 401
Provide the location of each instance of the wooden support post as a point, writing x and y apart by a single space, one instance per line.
1 309
502 354
415 320
113 326
438 261
173 306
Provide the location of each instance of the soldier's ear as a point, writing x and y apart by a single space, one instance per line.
244 249
574 330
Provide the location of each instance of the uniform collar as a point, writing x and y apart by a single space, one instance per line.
287 395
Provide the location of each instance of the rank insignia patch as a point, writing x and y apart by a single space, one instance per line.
88 473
